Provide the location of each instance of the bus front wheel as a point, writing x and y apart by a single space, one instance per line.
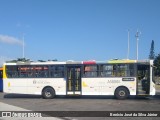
48 93
121 93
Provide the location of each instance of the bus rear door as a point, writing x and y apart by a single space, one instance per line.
73 80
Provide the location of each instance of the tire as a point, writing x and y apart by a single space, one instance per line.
48 93
121 93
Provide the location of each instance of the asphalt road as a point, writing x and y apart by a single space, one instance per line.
61 103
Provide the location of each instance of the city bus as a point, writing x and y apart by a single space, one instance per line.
1 79
120 78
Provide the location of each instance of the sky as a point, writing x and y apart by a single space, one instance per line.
78 29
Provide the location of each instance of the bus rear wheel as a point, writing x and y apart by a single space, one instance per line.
121 93
48 93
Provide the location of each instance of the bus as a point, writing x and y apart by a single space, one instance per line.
1 79
120 78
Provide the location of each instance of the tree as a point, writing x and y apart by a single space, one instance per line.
152 55
157 65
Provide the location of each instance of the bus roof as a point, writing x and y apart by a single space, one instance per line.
34 63
122 61
77 62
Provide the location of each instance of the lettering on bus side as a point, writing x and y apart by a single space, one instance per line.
113 81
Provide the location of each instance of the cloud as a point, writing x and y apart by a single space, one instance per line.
10 40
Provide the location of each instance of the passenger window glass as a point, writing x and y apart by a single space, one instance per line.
90 71
107 70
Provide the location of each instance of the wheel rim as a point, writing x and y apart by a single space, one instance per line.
122 93
48 94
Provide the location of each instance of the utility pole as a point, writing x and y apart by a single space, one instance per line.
23 46
137 39
128 44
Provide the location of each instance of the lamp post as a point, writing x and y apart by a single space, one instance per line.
23 46
137 39
128 45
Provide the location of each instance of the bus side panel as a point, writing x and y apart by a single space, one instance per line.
15 85
106 86
131 85
90 86
36 85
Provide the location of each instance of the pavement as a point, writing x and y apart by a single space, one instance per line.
157 91
6 108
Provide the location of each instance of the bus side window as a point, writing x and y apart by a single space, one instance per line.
107 70
121 70
86 71
12 71
56 71
124 70
90 71
131 71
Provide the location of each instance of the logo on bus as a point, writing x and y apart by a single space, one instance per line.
113 81
40 82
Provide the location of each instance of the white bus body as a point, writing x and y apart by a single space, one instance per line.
118 77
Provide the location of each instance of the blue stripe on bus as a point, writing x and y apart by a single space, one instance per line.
1 85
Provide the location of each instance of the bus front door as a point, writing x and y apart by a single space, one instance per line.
143 79
73 80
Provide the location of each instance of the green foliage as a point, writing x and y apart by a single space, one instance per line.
19 60
152 55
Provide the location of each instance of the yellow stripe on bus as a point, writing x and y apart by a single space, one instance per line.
4 72
84 84
122 61
9 84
